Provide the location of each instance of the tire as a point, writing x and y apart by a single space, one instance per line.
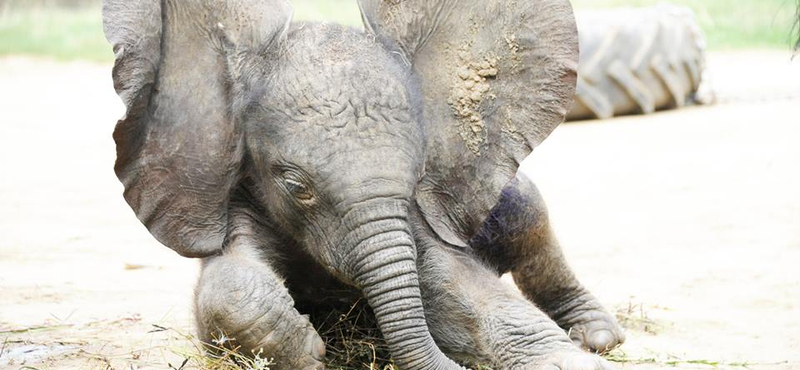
637 61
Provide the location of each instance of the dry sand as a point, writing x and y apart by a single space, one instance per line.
687 223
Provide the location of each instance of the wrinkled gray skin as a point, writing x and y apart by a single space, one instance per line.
308 164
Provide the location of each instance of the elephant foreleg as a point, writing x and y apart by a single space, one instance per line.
474 316
517 237
242 303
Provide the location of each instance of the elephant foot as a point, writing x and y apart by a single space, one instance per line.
314 349
572 360
241 305
588 324
307 353
597 331
311 353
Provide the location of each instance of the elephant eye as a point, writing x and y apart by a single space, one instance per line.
297 188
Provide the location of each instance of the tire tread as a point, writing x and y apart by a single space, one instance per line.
638 61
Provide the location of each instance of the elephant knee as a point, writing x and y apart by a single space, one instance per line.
243 305
516 226
238 301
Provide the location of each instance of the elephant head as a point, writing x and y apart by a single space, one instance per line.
336 135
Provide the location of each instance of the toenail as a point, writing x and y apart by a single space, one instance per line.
602 340
580 362
317 346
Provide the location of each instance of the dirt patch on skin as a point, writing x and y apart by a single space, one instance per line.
470 88
513 50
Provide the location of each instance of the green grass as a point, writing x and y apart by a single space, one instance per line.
341 11
730 24
44 28
47 28
54 32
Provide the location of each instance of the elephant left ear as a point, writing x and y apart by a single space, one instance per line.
497 77
179 145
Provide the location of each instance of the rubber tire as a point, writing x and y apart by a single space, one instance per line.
637 61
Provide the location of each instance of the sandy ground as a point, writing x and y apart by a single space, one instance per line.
686 223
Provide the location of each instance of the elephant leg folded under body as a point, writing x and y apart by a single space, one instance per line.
474 316
517 237
242 304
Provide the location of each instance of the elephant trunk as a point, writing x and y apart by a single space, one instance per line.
384 268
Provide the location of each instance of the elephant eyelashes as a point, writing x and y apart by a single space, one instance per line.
299 190
295 186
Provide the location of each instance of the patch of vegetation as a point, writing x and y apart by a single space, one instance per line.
796 28
729 24
352 342
196 354
344 12
62 33
72 29
621 357
633 317
352 338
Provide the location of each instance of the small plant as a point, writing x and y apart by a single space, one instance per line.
634 317
352 338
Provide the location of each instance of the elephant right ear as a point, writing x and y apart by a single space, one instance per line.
179 147
496 77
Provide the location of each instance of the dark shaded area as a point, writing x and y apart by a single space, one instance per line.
351 335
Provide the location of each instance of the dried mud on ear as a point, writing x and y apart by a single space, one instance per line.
472 83
470 88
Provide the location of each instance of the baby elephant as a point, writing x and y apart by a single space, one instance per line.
312 162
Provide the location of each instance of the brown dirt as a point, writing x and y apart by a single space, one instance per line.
686 222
